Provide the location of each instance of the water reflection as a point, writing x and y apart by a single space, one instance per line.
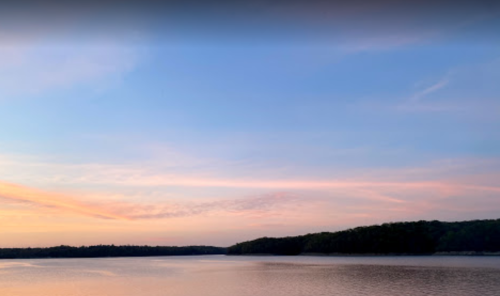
256 276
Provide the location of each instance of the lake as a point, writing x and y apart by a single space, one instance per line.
219 275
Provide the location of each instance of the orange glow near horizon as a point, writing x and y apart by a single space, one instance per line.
290 207
26 194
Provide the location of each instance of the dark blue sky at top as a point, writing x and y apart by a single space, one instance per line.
239 84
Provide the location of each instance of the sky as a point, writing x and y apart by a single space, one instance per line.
211 124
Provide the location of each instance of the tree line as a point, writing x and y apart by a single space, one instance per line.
422 237
106 251
418 238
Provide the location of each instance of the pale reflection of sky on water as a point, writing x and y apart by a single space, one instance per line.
256 276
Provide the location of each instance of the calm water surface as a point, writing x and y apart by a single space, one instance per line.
255 276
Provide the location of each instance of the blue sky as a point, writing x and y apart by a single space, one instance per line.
243 113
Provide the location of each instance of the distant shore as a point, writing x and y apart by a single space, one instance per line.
107 251
466 238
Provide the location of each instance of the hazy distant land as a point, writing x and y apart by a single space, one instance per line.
107 251
478 237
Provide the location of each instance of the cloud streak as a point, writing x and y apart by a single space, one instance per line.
62 202
144 192
129 211
400 194
145 176
249 206
431 89
35 68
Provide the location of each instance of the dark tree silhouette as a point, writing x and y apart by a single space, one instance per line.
106 251
422 237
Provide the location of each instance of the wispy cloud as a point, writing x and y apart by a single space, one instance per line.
36 170
54 47
254 205
430 89
25 194
39 69
120 210
468 90
401 194
152 192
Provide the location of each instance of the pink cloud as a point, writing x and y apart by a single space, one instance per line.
139 211
52 200
145 194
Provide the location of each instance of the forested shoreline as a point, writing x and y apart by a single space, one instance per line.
404 238
477 237
106 251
